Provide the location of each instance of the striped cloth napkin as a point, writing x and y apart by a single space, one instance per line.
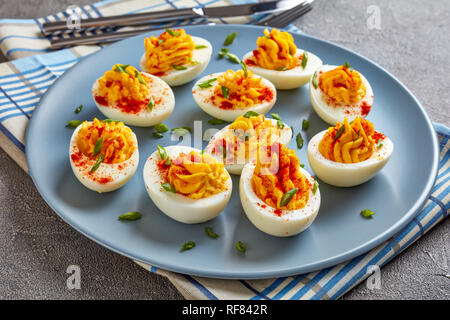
24 80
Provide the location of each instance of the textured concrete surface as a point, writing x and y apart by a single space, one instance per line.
36 246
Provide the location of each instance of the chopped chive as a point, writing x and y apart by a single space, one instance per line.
280 124
109 120
230 38
250 114
315 187
168 162
157 134
98 146
346 65
151 103
173 33
122 68
275 115
187 246
181 131
200 46
179 67
210 233
358 135
304 59
302 165
379 145
130 216
98 163
138 75
223 52
241 247
78 110
162 152
161 127
73 123
244 67
160 42
207 83
282 69
216 121
305 124
367 213
168 187
299 140
339 132
233 58
225 92
288 197
314 80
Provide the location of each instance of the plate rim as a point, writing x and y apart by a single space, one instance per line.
243 274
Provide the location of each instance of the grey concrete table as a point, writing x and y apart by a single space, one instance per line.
36 246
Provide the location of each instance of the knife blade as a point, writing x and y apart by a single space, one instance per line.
176 14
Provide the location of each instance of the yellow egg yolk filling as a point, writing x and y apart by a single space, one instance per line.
123 83
197 175
245 137
350 143
235 90
342 85
278 175
113 140
172 49
276 51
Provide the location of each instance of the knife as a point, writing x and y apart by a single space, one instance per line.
176 14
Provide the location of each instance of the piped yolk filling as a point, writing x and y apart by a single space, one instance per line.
117 144
278 175
350 143
245 137
241 90
196 175
124 87
342 85
276 51
168 51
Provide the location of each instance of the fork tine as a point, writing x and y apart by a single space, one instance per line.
294 16
279 19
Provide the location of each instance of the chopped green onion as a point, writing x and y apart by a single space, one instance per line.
379 145
181 131
314 80
282 69
109 120
160 42
98 163
98 146
275 115
250 114
244 67
157 135
173 33
74 123
339 132
216 121
225 92
230 38
179 67
302 165
223 52
200 46
138 75
207 83
187 246
315 187
210 233
233 58
359 134
347 66
280 124
367 213
305 124
130 216
151 103
122 68
168 187
168 162
241 247
161 127
304 59
287 197
162 152
299 140
78 110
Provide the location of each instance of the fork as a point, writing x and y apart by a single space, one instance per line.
277 21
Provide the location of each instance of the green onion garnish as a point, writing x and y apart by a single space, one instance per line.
287 197
275 115
181 131
305 124
250 114
210 233
160 42
223 52
151 103
216 121
122 68
233 58
339 132
367 213
162 152
187 246
314 80
138 75
241 247
98 146
168 187
230 38
244 67
315 187
130 216
225 92
282 69
161 127
280 124
74 123
207 83
304 59
157 134
299 140
200 46
173 33
78 110
179 67
98 163
379 145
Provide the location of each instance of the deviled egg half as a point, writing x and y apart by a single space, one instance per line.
228 95
240 142
349 153
104 155
175 57
278 59
340 91
186 184
136 98
278 196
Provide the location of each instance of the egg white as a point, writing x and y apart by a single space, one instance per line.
332 112
179 77
290 222
120 172
288 79
146 117
179 207
202 97
347 174
236 168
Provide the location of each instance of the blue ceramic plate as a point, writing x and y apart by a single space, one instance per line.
339 233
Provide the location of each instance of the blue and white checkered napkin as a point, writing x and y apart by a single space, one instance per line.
23 82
